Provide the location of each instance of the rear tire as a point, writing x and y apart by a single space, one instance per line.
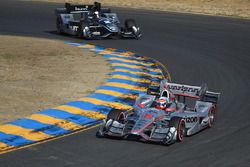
211 117
59 25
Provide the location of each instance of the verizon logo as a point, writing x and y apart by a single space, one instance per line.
183 88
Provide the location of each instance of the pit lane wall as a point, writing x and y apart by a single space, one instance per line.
131 75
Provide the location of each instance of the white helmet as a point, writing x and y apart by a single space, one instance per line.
162 102
96 14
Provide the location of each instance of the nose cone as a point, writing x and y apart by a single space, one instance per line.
114 28
145 121
134 132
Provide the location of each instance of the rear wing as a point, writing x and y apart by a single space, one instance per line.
70 9
197 92
182 90
77 8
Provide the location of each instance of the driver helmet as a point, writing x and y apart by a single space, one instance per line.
161 103
96 14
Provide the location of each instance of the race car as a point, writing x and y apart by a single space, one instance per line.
93 22
162 117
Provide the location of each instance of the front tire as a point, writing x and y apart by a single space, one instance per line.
84 31
130 25
116 115
113 115
99 134
179 124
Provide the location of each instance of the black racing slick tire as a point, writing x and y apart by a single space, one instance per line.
98 134
129 23
130 26
116 115
211 117
83 31
59 25
179 124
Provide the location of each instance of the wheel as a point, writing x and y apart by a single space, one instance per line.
116 115
99 134
84 31
181 131
211 117
179 124
113 115
129 23
130 26
59 25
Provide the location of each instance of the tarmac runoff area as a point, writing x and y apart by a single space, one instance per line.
37 74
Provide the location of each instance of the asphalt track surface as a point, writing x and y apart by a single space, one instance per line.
196 49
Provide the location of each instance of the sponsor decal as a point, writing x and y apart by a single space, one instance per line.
74 28
80 8
183 88
96 33
148 116
191 119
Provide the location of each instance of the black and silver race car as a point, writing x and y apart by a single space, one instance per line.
161 117
93 22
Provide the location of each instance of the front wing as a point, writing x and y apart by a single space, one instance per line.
115 129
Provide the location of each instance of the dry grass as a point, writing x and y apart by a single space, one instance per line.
36 74
235 8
